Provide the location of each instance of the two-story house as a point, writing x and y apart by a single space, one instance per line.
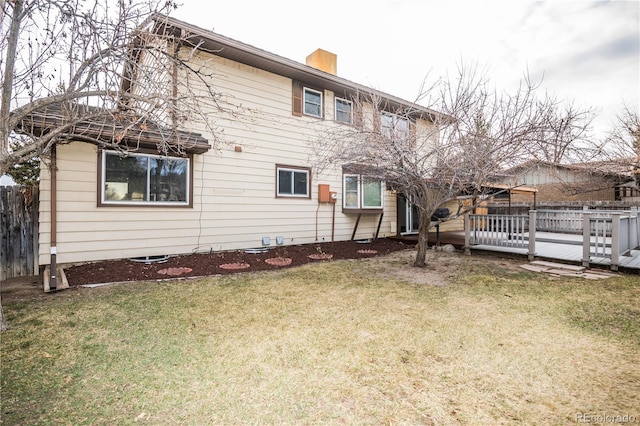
260 188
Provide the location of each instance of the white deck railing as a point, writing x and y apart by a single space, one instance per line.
569 221
624 232
563 221
501 230
605 234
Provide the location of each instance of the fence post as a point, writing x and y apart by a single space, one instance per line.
634 229
467 234
615 241
586 239
532 235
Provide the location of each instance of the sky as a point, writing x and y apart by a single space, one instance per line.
584 52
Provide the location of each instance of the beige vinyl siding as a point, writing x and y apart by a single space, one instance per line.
87 232
234 202
456 224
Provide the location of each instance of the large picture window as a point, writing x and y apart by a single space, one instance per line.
292 182
361 192
144 179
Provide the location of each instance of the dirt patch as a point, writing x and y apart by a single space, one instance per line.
442 266
399 266
22 288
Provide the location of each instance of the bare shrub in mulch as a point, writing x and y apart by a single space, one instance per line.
320 256
279 261
174 271
235 266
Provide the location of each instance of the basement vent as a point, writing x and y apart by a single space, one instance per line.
151 259
257 250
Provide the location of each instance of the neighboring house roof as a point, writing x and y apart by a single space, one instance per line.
514 189
616 169
622 167
228 48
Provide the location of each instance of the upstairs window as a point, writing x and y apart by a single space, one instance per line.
306 100
292 181
312 102
394 127
142 179
344 111
362 193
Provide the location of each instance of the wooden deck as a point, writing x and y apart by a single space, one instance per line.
565 248
568 252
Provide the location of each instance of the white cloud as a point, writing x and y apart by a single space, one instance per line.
587 51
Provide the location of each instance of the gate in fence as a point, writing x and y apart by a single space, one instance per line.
19 227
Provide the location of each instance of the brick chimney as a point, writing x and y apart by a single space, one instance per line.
324 61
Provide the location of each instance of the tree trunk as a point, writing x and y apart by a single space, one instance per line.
423 241
3 321
7 81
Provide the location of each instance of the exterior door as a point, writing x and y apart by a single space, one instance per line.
408 216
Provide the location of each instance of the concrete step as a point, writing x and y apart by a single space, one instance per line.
564 270
554 265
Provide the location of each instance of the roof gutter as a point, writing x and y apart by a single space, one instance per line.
214 43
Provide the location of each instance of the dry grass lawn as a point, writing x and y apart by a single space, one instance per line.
473 340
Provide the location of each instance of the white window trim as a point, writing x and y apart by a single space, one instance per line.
360 193
304 102
103 178
346 101
292 170
344 191
393 131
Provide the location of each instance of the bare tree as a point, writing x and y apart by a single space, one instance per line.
108 72
612 160
566 138
476 134
622 144
100 71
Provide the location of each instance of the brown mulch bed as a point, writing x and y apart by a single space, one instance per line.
217 263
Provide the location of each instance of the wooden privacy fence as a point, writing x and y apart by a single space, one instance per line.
19 227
